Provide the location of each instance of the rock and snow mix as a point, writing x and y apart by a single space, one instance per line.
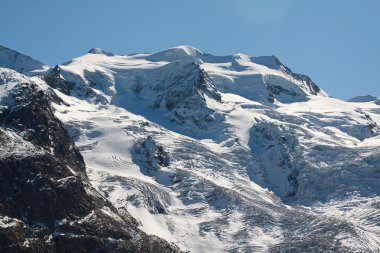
224 153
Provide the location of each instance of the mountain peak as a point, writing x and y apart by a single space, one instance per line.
242 57
188 49
99 51
362 99
185 52
271 61
21 63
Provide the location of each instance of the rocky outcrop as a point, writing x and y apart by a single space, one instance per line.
151 155
179 90
80 89
183 95
55 80
274 149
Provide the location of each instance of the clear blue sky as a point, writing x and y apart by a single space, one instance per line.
335 42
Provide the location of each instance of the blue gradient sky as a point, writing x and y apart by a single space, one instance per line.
335 42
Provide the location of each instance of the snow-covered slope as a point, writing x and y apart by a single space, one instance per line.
19 62
225 153
223 195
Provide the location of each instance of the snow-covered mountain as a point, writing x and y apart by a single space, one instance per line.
222 153
19 62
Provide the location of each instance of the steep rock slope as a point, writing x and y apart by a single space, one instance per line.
46 202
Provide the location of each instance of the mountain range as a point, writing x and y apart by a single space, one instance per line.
181 150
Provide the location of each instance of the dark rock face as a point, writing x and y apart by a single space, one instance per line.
27 111
46 201
54 80
152 155
275 147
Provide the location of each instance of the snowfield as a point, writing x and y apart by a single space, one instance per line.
224 153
